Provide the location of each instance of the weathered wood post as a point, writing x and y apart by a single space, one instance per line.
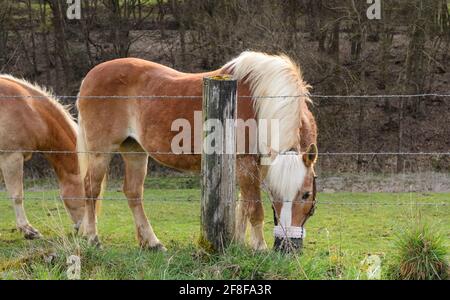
218 162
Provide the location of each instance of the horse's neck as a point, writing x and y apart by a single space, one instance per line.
60 135
59 144
62 155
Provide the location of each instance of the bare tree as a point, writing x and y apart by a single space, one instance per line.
5 13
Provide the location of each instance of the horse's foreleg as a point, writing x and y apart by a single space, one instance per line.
96 172
257 240
12 169
135 172
250 206
241 220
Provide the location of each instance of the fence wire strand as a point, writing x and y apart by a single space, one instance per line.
158 97
238 153
269 201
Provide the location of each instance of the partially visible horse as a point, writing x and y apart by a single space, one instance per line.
134 124
30 120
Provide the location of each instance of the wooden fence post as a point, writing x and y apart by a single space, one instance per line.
218 162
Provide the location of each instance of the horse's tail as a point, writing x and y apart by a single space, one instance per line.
83 160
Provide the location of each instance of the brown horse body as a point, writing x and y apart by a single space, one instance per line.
133 124
32 120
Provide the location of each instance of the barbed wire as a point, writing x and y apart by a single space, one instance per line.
152 97
238 153
196 200
188 200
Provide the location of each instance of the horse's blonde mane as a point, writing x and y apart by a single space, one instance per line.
42 91
273 76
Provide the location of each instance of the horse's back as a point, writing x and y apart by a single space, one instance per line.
20 123
122 76
111 120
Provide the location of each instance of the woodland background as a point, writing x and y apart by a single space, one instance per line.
340 51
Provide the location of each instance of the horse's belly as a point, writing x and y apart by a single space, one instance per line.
167 129
181 162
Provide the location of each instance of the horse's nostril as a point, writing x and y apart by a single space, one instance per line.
288 245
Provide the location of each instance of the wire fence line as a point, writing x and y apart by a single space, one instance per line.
238 153
188 200
157 97
153 97
271 201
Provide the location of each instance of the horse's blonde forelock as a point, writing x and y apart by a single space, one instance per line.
286 176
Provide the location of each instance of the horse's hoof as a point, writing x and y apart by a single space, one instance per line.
94 241
157 248
260 246
77 227
30 233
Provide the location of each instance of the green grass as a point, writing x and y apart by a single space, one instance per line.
338 238
421 254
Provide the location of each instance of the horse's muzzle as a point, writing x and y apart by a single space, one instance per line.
288 245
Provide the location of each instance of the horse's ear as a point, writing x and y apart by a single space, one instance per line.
310 156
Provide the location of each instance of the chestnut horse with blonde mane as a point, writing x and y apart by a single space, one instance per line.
136 124
32 120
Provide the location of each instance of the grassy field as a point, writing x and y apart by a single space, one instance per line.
339 237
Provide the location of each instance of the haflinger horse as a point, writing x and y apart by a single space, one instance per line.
31 119
114 115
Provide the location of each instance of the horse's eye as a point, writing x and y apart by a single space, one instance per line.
306 195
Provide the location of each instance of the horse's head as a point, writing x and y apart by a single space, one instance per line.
292 185
73 196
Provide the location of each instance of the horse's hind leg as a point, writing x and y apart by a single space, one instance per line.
135 172
96 172
12 169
